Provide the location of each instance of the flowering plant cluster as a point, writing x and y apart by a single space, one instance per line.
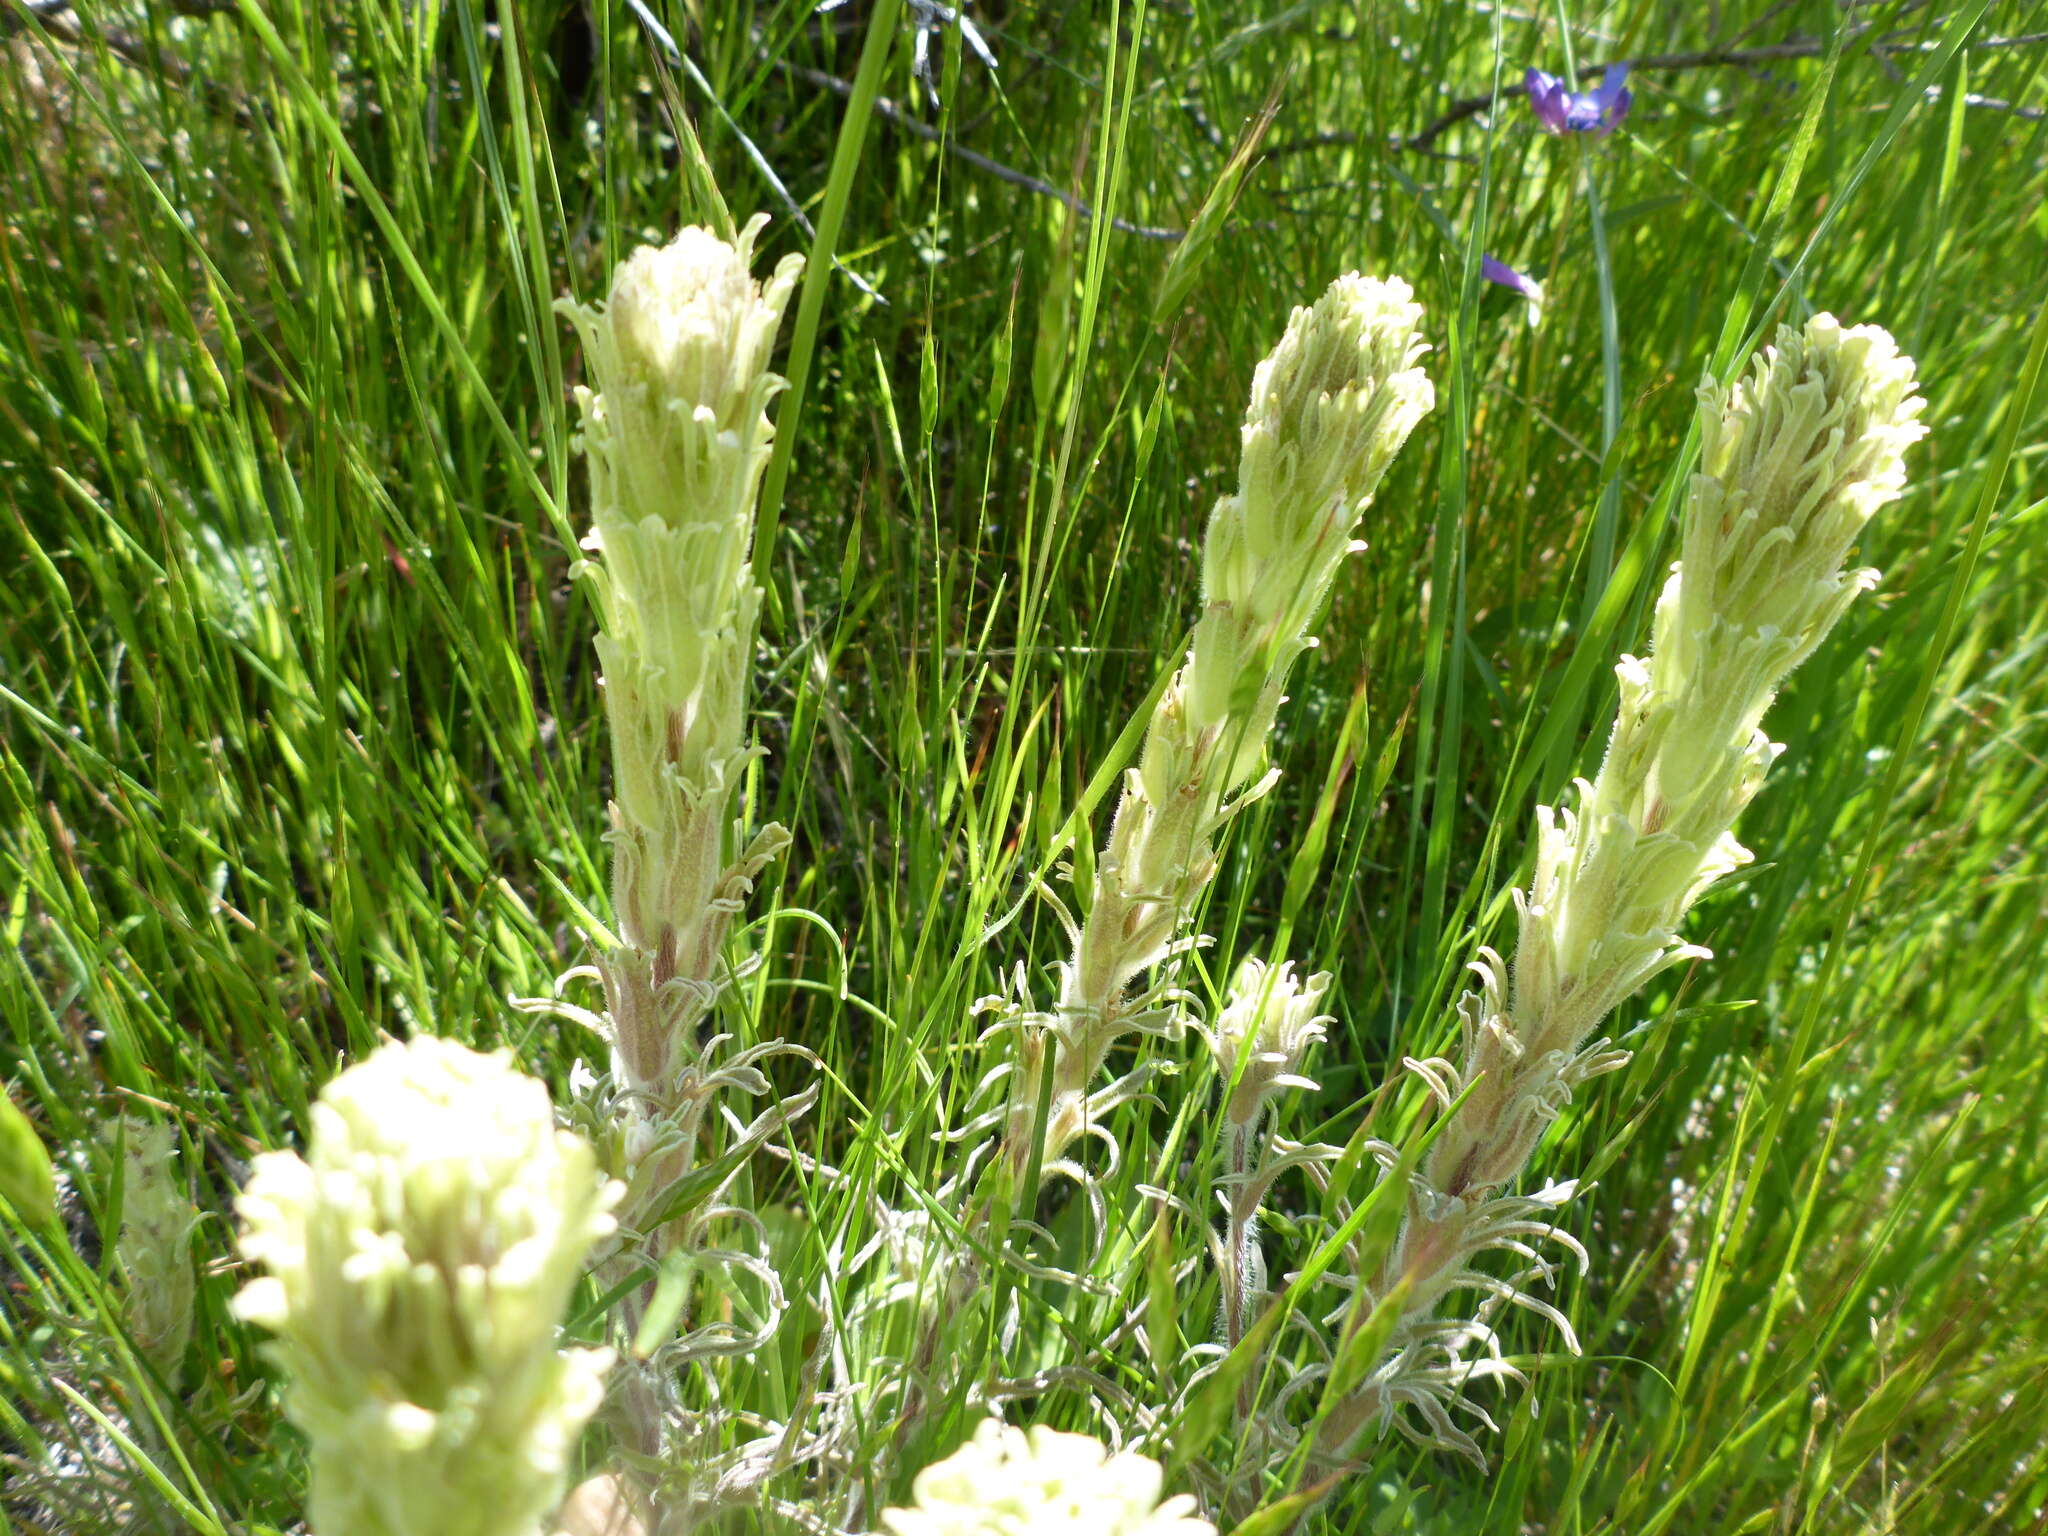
420 1256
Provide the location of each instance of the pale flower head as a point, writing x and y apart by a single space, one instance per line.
675 426
1270 1023
420 1257
677 435
1330 408
1040 1482
690 324
1794 459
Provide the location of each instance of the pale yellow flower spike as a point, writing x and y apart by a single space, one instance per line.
1795 458
677 435
1330 408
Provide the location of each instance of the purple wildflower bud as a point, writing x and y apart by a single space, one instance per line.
1598 112
1500 272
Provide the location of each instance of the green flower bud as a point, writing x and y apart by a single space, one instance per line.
27 1181
1270 1023
420 1257
154 1249
1007 1482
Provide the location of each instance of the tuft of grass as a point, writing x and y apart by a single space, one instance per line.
301 743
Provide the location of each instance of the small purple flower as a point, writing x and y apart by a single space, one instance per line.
1566 111
1500 272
